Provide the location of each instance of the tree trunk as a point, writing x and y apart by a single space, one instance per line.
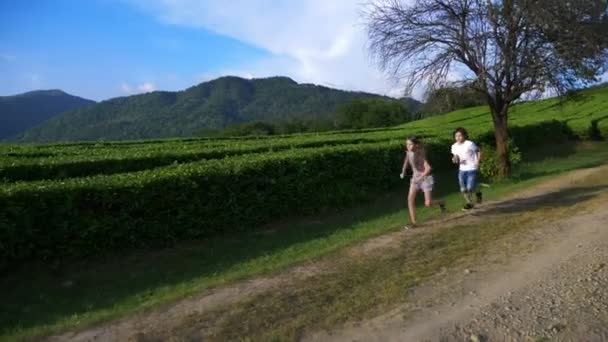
502 140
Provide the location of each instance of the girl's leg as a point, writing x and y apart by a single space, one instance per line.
411 203
428 198
428 201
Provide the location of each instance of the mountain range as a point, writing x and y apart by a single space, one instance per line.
23 111
214 104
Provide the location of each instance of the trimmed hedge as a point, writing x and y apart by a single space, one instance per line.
526 137
54 167
92 216
89 216
594 132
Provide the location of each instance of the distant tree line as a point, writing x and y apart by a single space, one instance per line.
450 98
361 114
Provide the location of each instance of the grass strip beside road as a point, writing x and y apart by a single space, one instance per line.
39 300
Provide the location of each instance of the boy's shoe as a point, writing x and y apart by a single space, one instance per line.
479 197
467 207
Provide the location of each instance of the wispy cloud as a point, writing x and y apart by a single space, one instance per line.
139 89
315 41
34 80
127 89
146 88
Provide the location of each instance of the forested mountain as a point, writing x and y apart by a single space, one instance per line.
24 111
211 105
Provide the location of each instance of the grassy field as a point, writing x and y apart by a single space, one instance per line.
38 299
60 202
578 112
99 198
364 286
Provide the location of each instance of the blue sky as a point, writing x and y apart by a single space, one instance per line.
101 49
105 48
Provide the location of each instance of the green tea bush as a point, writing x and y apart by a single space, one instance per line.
521 138
526 137
83 216
594 131
90 216
489 166
14 169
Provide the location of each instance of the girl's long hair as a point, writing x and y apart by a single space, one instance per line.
414 139
420 152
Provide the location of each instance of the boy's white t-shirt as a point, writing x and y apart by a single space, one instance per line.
467 153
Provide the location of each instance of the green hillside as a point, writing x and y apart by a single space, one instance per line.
210 105
65 202
24 111
150 193
577 112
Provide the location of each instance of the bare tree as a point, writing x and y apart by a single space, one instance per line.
502 48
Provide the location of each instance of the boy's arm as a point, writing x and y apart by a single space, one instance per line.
455 158
478 153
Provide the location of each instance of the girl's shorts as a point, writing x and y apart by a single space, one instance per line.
426 185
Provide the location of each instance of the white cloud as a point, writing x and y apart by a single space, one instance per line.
146 87
142 88
316 41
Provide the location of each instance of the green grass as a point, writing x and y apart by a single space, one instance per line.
361 286
590 104
35 300
367 286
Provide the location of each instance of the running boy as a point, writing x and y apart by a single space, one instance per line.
466 154
422 180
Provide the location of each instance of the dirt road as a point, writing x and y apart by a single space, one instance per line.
552 284
559 292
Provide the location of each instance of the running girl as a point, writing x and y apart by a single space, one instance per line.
422 180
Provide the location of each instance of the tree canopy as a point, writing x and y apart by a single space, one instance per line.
502 48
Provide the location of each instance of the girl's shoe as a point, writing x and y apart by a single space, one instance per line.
442 207
467 207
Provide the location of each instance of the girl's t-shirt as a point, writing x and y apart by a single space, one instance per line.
416 161
467 154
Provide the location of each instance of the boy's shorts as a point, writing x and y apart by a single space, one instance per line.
467 180
426 185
